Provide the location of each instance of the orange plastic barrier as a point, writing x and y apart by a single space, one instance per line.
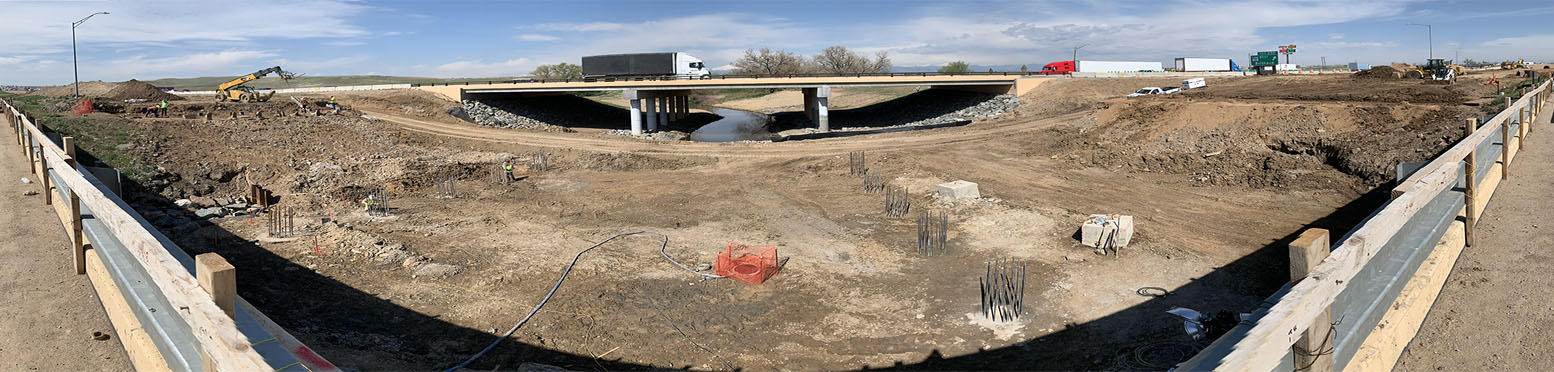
747 264
82 107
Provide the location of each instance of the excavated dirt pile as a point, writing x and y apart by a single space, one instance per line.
135 89
1379 72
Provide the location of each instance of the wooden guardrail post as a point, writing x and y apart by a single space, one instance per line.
218 277
1470 193
1505 149
27 146
43 179
1313 350
77 239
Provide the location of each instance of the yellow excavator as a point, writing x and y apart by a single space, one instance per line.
1512 65
235 91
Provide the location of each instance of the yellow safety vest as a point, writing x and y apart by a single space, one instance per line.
162 105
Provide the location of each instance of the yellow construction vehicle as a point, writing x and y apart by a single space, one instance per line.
1435 69
1512 65
235 91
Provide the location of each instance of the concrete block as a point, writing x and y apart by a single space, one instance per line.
959 189
1099 228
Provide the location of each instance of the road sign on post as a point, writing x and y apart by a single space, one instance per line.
1265 59
1287 50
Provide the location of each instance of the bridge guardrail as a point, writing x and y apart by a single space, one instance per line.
1368 268
193 332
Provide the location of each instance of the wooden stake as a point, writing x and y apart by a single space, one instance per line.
1470 167
1306 252
1505 149
77 241
220 279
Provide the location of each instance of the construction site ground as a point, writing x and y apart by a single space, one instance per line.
50 313
1218 179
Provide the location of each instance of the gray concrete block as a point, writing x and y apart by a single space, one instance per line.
959 189
1099 228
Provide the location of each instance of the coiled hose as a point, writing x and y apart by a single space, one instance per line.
661 250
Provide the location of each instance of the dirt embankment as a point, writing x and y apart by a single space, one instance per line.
1306 132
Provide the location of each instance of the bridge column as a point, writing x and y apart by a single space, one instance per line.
684 106
674 107
636 110
651 113
663 110
822 111
809 103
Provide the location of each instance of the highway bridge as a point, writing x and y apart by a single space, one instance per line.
661 101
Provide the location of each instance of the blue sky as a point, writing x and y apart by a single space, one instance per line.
156 39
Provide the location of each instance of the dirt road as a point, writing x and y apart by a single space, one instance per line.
1494 313
50 312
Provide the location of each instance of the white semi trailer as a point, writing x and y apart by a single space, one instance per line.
1119 66
1204 64
674 64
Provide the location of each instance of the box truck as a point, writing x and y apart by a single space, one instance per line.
1068 67
674 64
1205 64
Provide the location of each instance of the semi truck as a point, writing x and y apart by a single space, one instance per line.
668 64
1069 67
1206 64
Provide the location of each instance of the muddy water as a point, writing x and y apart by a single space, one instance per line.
736 125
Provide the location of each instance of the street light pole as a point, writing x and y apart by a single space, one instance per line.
1429 35
1076 55
75 66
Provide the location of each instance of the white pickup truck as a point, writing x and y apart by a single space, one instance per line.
1154 90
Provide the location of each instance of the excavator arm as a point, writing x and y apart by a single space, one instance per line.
255 76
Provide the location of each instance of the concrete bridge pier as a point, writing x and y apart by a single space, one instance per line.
816 106
652 114
664 109
636 110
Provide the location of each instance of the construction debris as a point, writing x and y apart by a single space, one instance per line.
1106 232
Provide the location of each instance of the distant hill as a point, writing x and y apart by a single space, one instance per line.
210 83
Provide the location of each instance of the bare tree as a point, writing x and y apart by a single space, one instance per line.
839 60
769 62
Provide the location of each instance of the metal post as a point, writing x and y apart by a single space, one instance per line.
74 66
1505 149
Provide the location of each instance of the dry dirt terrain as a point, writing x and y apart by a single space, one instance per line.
1218 180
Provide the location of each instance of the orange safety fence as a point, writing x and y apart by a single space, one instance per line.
82 107
747 264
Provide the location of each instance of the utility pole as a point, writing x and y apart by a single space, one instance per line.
1430 36
1324 61
75 66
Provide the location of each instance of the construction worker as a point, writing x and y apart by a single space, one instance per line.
161 108
332 104
369 202
151 111
507 171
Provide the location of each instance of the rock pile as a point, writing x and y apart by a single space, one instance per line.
1379 72
508 116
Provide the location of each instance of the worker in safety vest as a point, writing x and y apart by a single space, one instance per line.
369 202
332 103
507 171
161 108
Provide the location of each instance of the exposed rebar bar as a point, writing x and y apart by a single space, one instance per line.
1003 290
933 233
897 202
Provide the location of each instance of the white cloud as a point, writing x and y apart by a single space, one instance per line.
514 67
537 37
38 26
344 43
1356 44
1335 36
579 27
320 67
187 65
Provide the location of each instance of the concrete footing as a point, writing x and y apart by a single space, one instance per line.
959 189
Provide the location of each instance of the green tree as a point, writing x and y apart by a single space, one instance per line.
957 67
558 71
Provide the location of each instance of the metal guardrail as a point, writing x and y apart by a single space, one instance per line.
729 76
1359 307
167 329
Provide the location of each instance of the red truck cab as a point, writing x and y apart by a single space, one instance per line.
1058 68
